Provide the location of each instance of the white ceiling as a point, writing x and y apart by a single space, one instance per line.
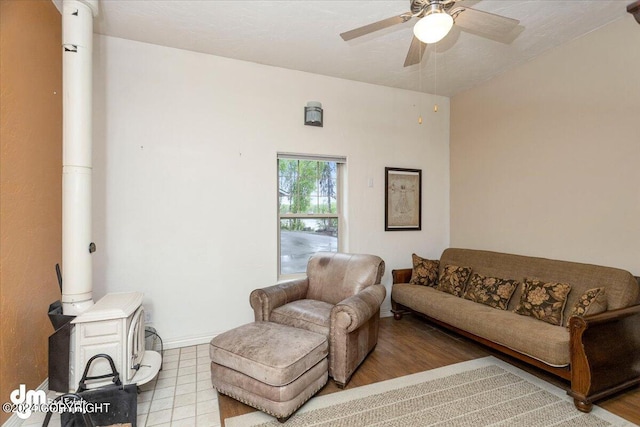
304 35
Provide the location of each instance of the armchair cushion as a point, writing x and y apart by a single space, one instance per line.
306 314
336 276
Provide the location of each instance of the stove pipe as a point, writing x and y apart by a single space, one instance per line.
77 48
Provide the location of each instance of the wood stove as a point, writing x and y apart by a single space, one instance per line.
113 326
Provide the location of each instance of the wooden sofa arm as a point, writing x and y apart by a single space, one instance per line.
402 275
605 354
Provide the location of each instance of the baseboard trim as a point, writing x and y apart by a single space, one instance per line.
187 342
205 339
13 420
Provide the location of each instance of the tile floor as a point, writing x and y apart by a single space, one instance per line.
181 395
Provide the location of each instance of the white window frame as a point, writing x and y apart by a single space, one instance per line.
341 163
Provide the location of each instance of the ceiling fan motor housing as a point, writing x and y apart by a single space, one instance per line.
420 8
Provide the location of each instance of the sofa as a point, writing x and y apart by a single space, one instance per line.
591 341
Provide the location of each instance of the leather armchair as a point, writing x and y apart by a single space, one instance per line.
340 297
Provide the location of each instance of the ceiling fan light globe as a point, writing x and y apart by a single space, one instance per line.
433 28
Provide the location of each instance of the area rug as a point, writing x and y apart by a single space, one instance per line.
481 392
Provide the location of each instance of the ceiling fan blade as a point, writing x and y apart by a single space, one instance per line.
485 24
416 52
362 31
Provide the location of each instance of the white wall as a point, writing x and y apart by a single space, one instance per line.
185 176
544 158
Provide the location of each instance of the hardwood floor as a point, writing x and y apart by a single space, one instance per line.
413 345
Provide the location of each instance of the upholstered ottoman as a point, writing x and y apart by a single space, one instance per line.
272 367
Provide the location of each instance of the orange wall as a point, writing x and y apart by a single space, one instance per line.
30 187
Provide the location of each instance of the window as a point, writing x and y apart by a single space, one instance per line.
309 209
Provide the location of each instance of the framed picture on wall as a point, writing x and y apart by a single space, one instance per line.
402 199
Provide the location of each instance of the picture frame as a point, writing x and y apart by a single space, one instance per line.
402 199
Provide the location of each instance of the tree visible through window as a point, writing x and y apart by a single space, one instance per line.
308 207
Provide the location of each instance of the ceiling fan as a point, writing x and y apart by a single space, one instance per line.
435 20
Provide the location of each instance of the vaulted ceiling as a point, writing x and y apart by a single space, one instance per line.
304 35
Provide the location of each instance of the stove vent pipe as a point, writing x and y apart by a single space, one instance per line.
77 49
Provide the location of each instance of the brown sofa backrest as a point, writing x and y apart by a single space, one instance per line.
336 276
621 287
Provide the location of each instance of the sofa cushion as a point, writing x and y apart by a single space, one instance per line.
543 301
491 291
425 271
593 301
542 341
453 279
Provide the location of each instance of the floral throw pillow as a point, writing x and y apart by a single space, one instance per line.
593 301
425 271
490 291
544 301
453 279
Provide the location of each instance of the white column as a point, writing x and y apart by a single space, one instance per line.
77 41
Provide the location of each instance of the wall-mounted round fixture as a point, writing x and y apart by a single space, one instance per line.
313 114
